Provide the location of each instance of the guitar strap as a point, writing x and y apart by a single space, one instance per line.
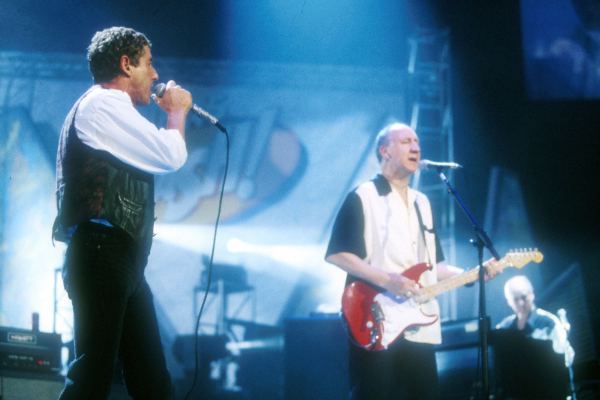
423 229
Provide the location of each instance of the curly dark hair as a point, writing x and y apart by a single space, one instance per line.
107 47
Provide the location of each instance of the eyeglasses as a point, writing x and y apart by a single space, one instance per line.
521 297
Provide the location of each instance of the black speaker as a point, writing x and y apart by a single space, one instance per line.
316 359
528 368
457 360
27 386
23 385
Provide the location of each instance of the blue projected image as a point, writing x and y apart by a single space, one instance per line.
561 49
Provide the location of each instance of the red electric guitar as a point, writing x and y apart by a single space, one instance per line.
375 319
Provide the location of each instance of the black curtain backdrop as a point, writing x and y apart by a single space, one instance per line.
552 145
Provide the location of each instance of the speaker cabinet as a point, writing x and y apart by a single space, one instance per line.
19 385
27 386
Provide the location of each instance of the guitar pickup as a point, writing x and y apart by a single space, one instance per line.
376 312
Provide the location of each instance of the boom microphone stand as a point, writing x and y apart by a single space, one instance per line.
480 241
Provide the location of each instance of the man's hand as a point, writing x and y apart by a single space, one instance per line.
401 285
177 103
491 269
175 99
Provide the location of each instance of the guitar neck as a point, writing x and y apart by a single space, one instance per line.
446 285
512 259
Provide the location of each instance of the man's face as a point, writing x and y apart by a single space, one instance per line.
403 152
521 301
142 77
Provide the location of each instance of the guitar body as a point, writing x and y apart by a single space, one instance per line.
375 319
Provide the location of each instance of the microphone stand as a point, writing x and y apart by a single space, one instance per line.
480 241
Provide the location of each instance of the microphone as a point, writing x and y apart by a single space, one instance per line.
159 91
428 164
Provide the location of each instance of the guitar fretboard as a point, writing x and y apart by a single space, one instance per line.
429 292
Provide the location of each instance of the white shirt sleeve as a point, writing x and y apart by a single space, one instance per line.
107 120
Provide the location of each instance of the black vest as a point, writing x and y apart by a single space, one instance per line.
96 185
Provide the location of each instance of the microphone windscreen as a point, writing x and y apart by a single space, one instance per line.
159 89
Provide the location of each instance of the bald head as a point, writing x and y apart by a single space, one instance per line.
384 135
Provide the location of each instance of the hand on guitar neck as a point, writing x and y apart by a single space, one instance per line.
492 268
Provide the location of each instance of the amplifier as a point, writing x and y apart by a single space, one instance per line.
460 333
23 349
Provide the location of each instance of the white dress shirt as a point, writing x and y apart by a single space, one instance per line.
107 120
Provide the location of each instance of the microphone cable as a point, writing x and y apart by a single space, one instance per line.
210 266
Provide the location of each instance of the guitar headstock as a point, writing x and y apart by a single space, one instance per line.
521 257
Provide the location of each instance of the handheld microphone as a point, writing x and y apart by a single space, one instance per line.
428 164
159 91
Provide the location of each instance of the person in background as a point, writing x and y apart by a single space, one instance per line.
533 321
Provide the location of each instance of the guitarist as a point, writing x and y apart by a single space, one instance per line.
383 228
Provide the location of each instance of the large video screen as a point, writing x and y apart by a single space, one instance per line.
561 46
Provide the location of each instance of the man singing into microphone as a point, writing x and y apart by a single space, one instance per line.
383 228
107 156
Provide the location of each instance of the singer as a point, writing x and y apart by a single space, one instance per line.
108 154
383 228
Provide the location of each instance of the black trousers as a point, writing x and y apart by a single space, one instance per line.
114 317
406 370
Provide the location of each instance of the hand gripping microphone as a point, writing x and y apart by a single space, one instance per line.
159 91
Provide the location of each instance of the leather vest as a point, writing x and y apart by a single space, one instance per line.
96 185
